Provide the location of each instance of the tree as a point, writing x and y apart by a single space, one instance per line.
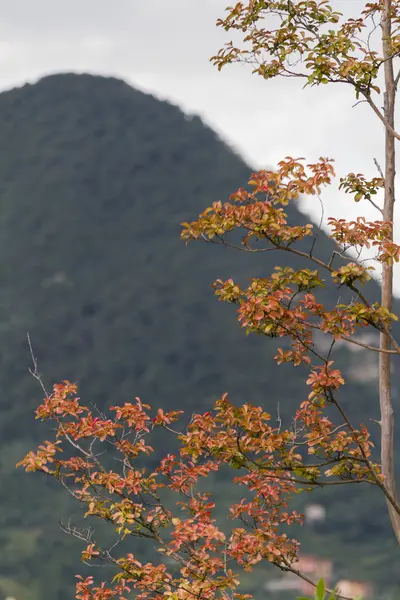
322 446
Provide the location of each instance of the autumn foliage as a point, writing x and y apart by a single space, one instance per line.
269 462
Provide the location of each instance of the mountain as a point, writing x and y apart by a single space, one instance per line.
95 179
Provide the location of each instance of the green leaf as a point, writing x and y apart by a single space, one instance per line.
320 590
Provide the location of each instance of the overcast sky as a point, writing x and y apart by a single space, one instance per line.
164 47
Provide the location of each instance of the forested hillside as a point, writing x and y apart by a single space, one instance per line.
95 179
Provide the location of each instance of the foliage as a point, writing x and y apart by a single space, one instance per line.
274 462
95 181
131 498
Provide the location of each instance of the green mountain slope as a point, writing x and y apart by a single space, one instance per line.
95 179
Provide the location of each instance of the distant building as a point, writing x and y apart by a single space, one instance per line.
314 567
354 589
311 566
314 513
283 584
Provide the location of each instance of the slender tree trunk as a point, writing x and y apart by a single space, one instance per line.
385 385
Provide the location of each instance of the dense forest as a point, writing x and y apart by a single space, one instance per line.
95 179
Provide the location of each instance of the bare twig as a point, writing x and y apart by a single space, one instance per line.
35 371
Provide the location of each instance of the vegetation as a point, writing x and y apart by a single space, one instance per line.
95 183
323 446
91 209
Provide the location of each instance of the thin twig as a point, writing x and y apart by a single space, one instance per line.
35 372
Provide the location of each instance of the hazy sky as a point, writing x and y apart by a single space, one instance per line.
164 47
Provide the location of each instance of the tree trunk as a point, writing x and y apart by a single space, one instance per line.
385 386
